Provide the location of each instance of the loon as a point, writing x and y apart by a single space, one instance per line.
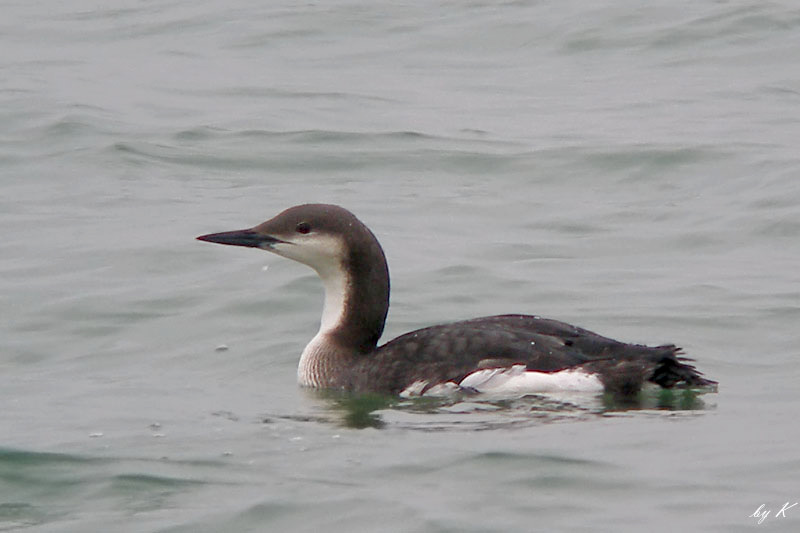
503 354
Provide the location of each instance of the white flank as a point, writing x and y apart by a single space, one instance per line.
511 381
519 380
414 390
448 388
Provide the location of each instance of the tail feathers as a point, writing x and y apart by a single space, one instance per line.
676 371
661 365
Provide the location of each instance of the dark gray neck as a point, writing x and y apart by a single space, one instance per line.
366 297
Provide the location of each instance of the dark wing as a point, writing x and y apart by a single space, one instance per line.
449 352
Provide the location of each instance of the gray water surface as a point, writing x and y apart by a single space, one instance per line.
630 168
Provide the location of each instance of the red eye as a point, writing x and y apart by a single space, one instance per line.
303 227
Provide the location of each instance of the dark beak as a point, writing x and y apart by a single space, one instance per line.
243 237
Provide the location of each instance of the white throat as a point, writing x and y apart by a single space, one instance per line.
336 284
320 352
